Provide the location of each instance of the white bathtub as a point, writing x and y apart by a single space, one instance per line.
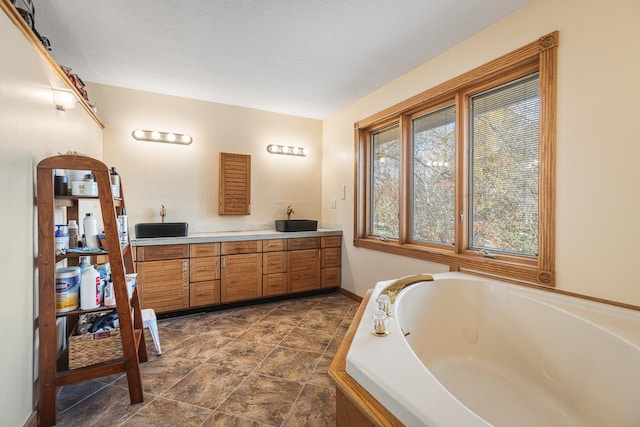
481 352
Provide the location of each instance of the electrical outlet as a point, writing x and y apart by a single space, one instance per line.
333 203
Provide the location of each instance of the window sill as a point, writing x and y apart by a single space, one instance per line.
525 271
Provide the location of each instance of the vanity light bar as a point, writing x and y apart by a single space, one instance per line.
168 137
287 149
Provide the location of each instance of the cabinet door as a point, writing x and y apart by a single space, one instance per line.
331 277
274 262
304 270
206 268
164 285
274 284
235 184
331 257
204 293
241 277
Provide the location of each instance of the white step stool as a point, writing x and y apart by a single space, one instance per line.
149 321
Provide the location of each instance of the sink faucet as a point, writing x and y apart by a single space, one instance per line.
290 211
393 289
163 213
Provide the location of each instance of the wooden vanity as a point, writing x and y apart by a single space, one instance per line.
203 270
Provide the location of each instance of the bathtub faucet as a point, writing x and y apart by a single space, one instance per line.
393 289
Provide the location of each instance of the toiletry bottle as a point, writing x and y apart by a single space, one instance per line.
115 182
90 230
90 289
62 238
73 233
124 227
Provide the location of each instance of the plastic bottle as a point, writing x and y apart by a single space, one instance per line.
84 264
115 182
90 230
90 289
73 233
61 238
124 228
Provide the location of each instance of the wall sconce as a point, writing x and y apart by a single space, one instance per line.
168 137
286 149
64 99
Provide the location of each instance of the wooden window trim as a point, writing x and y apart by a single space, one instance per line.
540 56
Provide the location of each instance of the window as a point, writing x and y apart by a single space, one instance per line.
463 174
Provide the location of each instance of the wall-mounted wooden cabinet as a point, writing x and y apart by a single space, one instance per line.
234 197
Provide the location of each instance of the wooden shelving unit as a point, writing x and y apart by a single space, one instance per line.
53 367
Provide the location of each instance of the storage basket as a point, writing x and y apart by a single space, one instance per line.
90 349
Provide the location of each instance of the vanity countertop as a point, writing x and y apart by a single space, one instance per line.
231 236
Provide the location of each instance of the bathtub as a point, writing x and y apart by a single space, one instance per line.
467 351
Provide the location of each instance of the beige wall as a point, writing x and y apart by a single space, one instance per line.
598 145
30 129
185 178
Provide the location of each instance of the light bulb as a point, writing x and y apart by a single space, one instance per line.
155 134
138 133
171 137
285 149
305 151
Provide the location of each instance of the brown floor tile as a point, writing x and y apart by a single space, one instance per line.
240 355
250 314
162 373
263 399
320 375
71 394
200 347
265 333
285 317
230 327
303 304
163 412
315 407
109 407
289 363
303 339
169 338
219 419
320 321
333 346
206 386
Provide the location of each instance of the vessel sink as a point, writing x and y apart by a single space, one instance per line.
296 225
148 230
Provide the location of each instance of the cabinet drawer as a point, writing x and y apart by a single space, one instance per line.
204 293
331 241
206 268
331 257
274 262
154 253
204 249
331 277
274 245
274 284
242 247
303 243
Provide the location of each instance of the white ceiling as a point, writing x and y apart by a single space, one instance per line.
308 58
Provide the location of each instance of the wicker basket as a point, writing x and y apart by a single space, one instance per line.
90 349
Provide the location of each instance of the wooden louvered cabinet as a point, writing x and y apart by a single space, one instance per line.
235 184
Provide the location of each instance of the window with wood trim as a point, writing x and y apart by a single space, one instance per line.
464 173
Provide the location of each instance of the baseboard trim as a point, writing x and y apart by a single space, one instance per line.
32 421
350 295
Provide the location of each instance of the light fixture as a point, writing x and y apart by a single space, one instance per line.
156 136
64 99
287 149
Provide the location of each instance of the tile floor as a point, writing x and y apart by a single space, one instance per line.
262 365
